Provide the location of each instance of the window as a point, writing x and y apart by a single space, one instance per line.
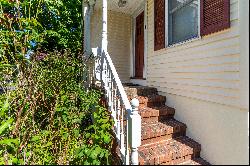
183 20
188 19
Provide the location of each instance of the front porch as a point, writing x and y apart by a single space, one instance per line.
126 38
145 129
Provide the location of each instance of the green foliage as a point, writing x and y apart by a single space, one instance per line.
46 114
47 120
43 25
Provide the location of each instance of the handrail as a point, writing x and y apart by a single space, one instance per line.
119 83
127 126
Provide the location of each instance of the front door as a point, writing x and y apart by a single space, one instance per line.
139 46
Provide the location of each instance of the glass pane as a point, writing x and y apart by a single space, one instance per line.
183 20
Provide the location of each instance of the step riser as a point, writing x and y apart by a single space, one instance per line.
169 151
152 104
162 161
152 120
154 101
171 159
162 138
177 161
161 112
159 132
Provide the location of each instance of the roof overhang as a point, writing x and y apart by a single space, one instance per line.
130 7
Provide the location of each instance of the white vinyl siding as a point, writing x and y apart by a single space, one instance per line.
206 69
119 35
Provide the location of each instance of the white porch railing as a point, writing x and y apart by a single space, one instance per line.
127 126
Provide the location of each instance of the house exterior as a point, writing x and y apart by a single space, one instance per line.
195 52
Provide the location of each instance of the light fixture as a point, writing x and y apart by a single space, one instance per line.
122 3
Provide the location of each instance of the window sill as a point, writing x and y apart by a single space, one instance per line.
184 42
137 78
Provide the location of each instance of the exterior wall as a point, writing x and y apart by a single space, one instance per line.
206 81
221 130
119 35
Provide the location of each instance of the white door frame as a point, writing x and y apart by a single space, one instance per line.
138 11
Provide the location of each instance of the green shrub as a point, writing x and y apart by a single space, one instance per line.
51 119
46 114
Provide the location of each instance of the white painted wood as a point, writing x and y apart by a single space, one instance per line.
142 7
167 24
119 105
135 132
105 26
87 47
128 9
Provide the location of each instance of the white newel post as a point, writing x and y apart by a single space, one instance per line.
134 131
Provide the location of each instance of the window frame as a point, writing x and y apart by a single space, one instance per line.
167 45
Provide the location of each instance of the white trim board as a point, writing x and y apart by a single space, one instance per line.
185 41
139 10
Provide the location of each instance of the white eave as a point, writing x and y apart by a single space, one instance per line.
130 7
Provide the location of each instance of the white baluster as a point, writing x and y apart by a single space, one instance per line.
102 69
127 139
117 132
122 136
114 113
106 76
118 125
135 131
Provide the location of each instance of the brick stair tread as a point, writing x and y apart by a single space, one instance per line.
178 149
151 98
147 112
196 161
134 90
166 127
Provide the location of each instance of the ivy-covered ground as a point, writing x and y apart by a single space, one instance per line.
46 114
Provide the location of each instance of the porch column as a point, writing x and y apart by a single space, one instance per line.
105 26
88 10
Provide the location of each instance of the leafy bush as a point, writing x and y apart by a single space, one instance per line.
47 120
46 114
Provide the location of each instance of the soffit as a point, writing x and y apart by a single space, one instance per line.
130 7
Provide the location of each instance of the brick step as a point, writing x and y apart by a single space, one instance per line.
196 161
152 100
133 91
155 114
160 131
174 151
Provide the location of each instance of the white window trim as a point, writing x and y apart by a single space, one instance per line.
185 41
139 10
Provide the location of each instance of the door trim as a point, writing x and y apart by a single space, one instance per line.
139 10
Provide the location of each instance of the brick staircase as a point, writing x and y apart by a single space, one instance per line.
164 140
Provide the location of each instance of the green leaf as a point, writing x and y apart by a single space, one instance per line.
86 163
65 135
35 138
93 154
9 142
4 108
88 135
96 162
5 125
48 144
107 139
